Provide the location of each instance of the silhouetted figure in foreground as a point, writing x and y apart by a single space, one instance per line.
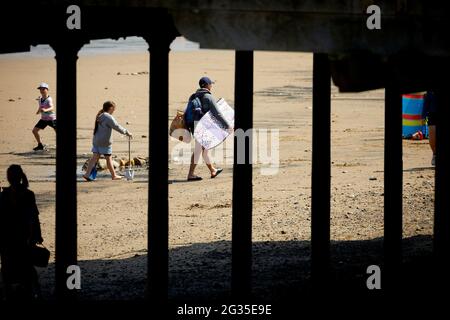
19 230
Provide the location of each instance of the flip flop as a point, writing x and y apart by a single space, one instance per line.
219 170
118 178
87 179
195 179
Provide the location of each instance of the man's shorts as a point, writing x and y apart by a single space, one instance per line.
42 124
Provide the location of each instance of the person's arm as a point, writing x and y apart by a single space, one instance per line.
48 109
215 111
116 126
39 106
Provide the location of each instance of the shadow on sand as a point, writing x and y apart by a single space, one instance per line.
281 270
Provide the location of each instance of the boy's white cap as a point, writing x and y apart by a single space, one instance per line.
43 85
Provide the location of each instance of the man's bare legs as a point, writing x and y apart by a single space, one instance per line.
432 141
208 163
194 161
432 138
199 150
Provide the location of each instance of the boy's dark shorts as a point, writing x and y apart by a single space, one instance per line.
42 124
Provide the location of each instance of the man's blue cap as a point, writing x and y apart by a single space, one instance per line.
204 81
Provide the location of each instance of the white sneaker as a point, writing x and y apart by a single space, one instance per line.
433 161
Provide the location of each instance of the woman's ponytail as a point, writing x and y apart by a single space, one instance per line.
24 181
99 113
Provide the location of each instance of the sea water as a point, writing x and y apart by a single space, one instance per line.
108 46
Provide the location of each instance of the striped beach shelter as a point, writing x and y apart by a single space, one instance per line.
413 115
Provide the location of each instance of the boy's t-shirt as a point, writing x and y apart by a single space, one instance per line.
45 103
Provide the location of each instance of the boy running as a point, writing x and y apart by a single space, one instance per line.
48 116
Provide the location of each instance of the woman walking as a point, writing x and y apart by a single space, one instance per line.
102 141
19 231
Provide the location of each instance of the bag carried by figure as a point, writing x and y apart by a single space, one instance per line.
178 128
40 255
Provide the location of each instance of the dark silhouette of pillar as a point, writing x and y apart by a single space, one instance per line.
242 179
66 163
158 207
321 171
393 186
442 194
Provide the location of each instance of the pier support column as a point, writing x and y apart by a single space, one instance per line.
321 171
393 187
442 186
66 164
158 191
242 178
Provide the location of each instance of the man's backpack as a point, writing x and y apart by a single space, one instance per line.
193 111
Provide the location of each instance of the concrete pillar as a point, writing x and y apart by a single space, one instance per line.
242 179
393 186
442 195
158 206
66 164
321 171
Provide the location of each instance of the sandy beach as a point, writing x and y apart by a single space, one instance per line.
112 215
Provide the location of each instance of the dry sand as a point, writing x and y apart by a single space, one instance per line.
112 215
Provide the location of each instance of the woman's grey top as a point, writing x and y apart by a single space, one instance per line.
103 136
